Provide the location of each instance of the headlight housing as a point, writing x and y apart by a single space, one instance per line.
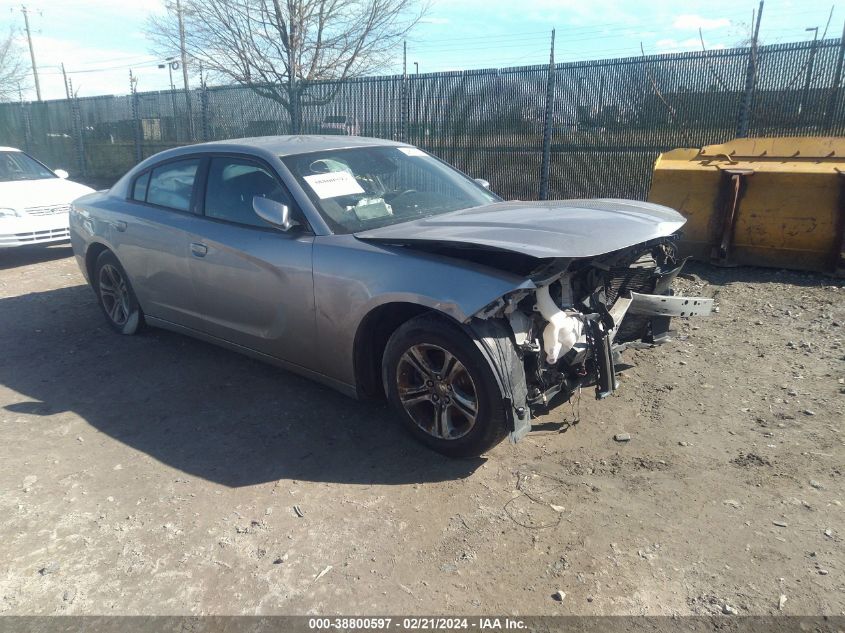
8 213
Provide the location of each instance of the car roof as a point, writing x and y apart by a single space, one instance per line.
9 149
300 144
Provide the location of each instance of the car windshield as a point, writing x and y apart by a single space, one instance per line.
19 166
369 187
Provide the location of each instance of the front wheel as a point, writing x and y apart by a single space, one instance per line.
116 297
443 387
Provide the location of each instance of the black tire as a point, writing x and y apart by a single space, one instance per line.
435 336
115 295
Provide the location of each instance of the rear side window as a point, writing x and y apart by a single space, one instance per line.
171 184
232 185
139 189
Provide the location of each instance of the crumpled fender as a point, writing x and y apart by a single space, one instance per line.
493 338
348 288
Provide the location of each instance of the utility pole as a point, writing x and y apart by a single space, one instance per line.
810 64
64 74
171 63
417 68
184 57
744 123
25 12
545 164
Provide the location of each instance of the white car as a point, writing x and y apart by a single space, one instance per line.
34 200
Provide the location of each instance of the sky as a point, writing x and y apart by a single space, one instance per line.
100 40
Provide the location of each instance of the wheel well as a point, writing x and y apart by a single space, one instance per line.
371 340
91 259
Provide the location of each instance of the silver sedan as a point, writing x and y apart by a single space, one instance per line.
379 270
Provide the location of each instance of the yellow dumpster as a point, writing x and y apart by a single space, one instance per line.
776 202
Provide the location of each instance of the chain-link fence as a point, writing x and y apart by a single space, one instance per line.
604 125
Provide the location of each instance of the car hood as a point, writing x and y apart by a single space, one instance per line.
560 228
44 192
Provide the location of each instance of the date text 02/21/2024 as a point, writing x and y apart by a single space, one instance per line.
416 623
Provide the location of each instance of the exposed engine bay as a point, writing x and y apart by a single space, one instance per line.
595 278
569 330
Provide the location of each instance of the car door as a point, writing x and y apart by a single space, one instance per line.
253 282
156 236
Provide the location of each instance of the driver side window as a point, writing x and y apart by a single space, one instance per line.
232 184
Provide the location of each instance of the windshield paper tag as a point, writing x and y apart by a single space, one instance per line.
334 184
411 151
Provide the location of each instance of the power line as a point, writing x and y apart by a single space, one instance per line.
480 49
149 64
734 19
486 48
604 28
480 37
506 41
125 58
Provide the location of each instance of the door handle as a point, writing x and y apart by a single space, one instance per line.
198 250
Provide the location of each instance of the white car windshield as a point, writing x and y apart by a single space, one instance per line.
368 187
19 166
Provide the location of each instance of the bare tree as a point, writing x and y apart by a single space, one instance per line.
280 48
13 72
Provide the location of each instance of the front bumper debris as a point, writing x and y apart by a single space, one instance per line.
669 305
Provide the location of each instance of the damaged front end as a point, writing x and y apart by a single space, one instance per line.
569 329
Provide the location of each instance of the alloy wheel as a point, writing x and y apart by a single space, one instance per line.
437 391
114 294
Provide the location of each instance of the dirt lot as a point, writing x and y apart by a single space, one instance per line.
157 474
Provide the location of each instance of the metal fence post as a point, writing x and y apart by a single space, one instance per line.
744 122
406 115
189 114
404 96
545 165
78 135
136 119
206 136
27 128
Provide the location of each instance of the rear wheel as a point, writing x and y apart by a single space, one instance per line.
443 387
116 297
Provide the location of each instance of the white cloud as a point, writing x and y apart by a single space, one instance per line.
670 45
695 22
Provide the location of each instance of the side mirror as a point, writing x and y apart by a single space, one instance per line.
61 173
483 183
274 213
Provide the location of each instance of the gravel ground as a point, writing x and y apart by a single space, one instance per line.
160 475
